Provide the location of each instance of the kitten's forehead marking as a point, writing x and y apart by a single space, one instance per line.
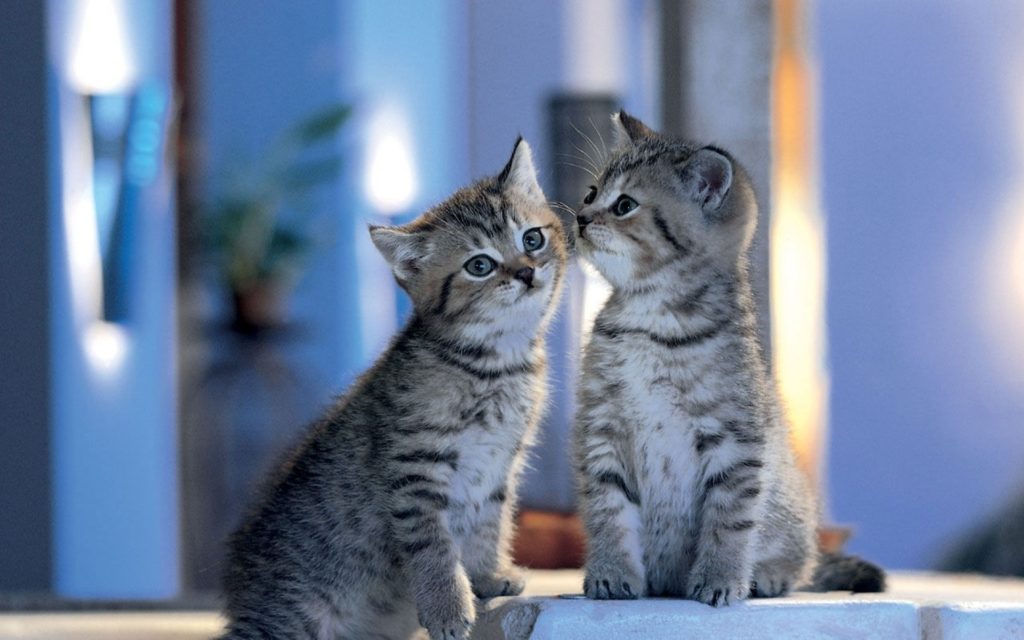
611 192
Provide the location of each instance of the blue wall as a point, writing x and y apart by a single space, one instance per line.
922 153
114 452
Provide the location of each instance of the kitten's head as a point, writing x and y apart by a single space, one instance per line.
661 200
490 256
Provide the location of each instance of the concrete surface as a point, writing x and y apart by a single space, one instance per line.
917 606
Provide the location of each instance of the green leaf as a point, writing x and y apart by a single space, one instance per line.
321 125
307 174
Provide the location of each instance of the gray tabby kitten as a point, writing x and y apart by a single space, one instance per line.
688 486
397 508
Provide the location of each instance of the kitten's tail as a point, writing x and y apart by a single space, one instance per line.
837 572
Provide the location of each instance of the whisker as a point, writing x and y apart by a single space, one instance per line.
589 171
604 145
589 140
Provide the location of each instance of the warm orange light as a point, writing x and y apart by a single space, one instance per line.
797 245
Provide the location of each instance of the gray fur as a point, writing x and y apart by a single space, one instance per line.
687 482
397 508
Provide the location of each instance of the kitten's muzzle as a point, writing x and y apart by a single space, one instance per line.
525 275
582 221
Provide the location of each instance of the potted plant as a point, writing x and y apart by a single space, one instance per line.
259 229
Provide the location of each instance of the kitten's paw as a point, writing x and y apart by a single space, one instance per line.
448 614
718 586
610 582
508 582
770 584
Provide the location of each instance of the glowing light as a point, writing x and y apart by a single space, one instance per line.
596 291
106 345
797 247
1003 276
101 59
391 182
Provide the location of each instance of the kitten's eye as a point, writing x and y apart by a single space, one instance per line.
589 198
533 239
624 205
480 265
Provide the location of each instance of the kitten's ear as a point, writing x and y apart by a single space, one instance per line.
519 173
707 177
403 249
627 130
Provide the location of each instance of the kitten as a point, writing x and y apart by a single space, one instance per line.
687 483
397 508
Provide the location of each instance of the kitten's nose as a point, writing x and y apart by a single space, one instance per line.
583 221
526 275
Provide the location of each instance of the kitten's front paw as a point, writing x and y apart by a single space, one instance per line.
718 586
448 614
607 581
768 583
508 582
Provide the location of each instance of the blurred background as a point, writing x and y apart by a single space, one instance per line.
186 278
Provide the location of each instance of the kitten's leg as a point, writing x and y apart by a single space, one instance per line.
610 506
787 540
731 474
436 577
485 553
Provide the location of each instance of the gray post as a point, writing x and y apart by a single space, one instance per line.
25 491
716 87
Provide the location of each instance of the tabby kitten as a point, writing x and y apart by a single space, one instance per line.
397 508
688 486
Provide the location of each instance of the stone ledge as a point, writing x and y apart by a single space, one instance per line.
916 607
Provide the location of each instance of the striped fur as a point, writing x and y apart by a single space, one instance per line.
397 508
687 483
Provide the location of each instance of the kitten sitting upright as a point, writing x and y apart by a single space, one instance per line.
688 485
397 508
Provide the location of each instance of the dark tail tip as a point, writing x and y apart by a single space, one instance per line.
837 572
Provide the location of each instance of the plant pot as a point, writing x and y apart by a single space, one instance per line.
259 308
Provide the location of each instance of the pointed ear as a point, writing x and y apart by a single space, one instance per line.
403 249
707 177
627 130
519 173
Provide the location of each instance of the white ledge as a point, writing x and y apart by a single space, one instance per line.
916 607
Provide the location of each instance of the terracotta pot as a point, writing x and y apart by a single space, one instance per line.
261 307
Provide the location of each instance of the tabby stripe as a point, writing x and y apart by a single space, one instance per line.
476 224
446 290
708 440
483 374
427 455
724 476
672 342
742 525
404 514
688 304
666 233
412 548
434 428
612 478
411 479
436 498
498 495
750 492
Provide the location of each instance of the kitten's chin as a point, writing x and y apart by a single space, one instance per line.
614 267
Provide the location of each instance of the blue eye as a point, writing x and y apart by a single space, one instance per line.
480 265
624 205
533 239
591 194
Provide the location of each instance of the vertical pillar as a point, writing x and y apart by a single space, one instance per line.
25 443
716 88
